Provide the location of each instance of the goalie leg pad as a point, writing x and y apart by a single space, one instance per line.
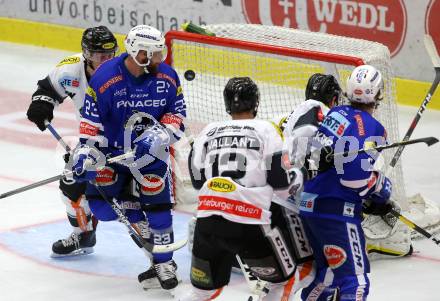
293 232
210 266
386 236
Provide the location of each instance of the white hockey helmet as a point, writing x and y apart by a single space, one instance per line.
365 85
144 37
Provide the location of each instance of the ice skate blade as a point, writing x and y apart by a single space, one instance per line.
154 284
79 252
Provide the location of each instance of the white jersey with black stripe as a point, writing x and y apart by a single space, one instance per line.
233 158
68 79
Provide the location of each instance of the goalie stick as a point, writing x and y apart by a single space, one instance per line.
432 51
138 239
415 227
258 290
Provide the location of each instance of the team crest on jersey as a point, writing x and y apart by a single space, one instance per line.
335 256
221 185
69 60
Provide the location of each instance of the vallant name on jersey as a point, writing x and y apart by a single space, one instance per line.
245 142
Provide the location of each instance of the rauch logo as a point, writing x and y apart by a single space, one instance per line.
380 21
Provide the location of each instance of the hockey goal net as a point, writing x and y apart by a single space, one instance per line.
280 61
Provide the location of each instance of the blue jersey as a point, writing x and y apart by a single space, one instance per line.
339 191
114 95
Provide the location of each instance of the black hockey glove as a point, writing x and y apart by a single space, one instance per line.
41 109
374 208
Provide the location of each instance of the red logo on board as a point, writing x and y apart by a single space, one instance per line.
432 22
380 21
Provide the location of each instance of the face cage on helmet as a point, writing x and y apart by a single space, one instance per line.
150 56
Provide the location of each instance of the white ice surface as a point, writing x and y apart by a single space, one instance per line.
31 221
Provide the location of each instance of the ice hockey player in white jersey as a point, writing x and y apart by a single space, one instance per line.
69 79
322 93
236 165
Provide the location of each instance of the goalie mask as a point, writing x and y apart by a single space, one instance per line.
98 45
365 85
241 94
147 38
323 88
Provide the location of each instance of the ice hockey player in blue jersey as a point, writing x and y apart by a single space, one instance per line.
332 202
134 102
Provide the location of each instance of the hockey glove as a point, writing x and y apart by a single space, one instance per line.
153 141
40 110
375 208
382 189
85 164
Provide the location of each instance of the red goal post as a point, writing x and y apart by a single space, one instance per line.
280 60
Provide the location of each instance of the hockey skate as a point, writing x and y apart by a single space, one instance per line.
76 244
160 275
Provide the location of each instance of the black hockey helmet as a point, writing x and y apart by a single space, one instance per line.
241 94
323 87
99 39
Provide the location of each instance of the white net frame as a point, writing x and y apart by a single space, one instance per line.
280 61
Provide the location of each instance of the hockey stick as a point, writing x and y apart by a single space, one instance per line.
432 51
414 226
427 140
57 136
139 240
260 290
58 177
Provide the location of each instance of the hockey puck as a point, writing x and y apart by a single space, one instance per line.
189 75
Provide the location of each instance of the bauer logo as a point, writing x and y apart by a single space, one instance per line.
263 271
432 22
221 185
109 45
381 21
335 256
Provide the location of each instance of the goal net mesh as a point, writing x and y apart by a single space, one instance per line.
280 61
